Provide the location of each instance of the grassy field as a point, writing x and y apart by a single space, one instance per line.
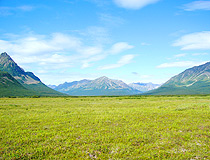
145 127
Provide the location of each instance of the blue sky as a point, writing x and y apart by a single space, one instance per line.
131 40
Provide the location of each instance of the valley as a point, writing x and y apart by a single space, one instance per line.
129 127
104 80
194 80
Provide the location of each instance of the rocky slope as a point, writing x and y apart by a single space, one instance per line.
97 87
195 80
27 79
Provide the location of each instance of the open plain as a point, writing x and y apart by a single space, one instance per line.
129 127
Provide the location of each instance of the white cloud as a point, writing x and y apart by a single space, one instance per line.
197 5
180 64
198 40
55 51
91 51
134 4
199 54
96 34
56 58
36 44
123 61
145 76
88 62
120 47
58 51
180 55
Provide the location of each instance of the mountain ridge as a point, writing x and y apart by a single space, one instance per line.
100 86
8 64
195 80
27 79
9 86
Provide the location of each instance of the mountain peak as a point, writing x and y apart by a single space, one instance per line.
103 78
30 84
7 64
4 54
97 87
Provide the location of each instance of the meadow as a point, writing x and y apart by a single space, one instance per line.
132 127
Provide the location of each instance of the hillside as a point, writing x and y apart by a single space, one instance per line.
71 85
26 79
195 80
9 86
97 87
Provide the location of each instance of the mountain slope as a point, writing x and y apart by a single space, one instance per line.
71 85
9 86
195 80
144 87
27 79
98 87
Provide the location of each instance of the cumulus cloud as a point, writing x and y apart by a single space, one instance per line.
120 47
58 50
123 61
199 40
134 4
180 64
88 62
197 5
36 44
90 51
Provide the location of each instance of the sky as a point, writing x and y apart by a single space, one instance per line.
131 40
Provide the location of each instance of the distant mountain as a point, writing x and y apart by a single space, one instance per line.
26 79
97 87
71 85
144 87
195 80
51 86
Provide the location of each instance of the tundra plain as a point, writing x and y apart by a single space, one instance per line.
128 127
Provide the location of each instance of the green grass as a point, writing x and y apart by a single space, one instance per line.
141 127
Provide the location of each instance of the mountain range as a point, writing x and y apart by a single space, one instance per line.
195 80
17 82
144 87
14 81
98 87
103 86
